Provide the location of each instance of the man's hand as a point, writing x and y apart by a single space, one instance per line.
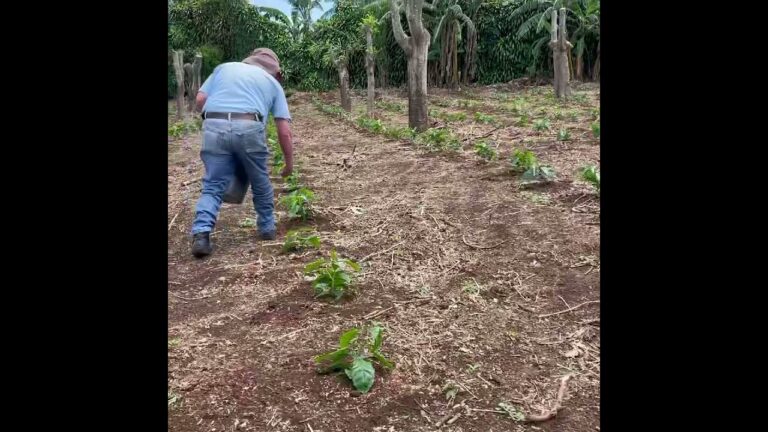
287 170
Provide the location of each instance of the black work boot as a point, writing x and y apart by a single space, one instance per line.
269 235
201 245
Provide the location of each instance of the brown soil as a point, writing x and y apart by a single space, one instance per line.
244 326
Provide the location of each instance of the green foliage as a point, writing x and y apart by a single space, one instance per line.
297 240
484 118
438 139
371 125
299 203
179 129
514 413
448 116
390 106
173 399
331 277
293 180
541 125
596 129
525 161
356 354
400 133
248 223
525 119
484 151
563 135
591 174
212 57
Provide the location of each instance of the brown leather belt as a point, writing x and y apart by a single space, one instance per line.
233 116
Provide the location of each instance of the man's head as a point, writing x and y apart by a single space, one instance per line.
266 59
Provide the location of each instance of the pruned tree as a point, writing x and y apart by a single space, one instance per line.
178 68
416 48
369 27
339 58
560 46
192 80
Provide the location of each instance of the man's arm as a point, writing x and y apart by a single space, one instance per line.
200 101
284 136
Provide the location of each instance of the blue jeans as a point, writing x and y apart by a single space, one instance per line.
224 144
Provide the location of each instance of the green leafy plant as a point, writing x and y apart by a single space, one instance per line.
525 161
399 133
371 125
484 118
513 412
390 106
557 115
541 125
173 399
591 174
596 129
563 135
299 203
331 277
484 151
595 113
525 119
179 129
248 223
464 103
293 180
356 356
452 117
579 97
297 240
438 139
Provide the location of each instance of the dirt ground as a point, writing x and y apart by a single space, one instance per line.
489 292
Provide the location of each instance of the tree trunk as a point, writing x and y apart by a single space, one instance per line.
346 100
560 49
416 48
443 64
369 66
178 68
468 71
417 87
579 67
193 85
596 69
455 56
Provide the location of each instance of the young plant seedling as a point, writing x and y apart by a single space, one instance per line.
297 240
525 119
248 223
591 174
438 139
484 151
484 118
527 163
356 356
299 203
596 129
371 125
331 277
563 135
541 125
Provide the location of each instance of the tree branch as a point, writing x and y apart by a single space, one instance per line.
397 29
